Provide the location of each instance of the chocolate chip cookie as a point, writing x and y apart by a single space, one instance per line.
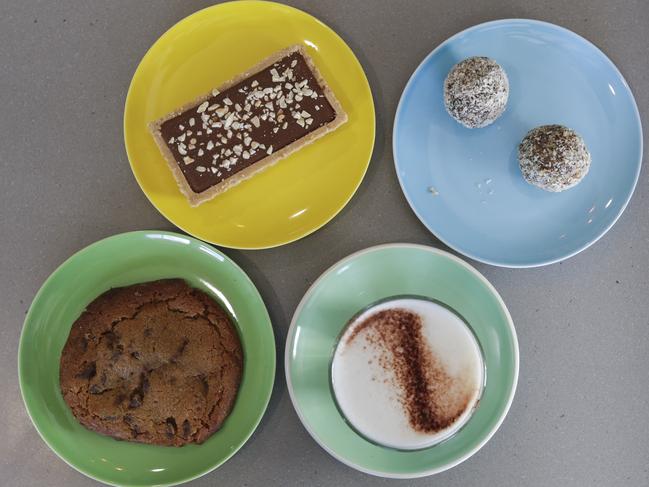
158 363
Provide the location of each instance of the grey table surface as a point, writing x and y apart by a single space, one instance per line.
580 413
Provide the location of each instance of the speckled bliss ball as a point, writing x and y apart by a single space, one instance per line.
553 157
476 92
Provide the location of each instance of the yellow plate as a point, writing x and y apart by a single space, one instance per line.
299 194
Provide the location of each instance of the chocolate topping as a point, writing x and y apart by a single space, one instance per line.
247 122
432 399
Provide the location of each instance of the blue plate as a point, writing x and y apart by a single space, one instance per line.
465 185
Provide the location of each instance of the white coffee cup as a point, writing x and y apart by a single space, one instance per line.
407 372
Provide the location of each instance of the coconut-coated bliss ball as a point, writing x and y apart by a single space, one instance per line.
476 92
553 157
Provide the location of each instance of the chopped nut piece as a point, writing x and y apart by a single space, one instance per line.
228 121
201 108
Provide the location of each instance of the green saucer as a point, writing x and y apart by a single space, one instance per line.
369 276
118 261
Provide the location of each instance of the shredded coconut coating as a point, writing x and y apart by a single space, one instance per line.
476 92
553 157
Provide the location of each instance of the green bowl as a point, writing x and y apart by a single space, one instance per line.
118 261
364 278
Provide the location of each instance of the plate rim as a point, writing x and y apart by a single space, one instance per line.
38 296
300 235
290 337
538 262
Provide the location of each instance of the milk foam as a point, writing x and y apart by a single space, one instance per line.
368 393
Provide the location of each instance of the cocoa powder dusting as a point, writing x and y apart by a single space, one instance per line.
432 399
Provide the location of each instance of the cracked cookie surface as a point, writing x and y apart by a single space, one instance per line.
158 363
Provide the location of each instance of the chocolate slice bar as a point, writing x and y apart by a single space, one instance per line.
247 124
